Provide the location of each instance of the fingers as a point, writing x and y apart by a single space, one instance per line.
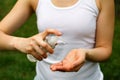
51 31
39 46
80 59
31 51
36 51
62 68
65 68
77 68
39 39
36 55
45 47
78 63
57 67
39 50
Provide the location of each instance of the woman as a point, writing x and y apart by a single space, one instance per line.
92 21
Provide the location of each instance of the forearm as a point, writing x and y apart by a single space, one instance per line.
104 33
98 54
5 41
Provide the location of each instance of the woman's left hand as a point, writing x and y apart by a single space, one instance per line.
72 62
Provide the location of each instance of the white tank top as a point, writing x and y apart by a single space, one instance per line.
78 26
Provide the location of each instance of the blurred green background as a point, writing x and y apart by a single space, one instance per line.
15 66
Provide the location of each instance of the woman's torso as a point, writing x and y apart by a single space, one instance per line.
78 25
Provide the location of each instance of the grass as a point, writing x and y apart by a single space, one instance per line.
15 66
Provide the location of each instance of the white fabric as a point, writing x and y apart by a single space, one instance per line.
78 25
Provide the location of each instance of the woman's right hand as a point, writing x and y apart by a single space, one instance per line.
33 45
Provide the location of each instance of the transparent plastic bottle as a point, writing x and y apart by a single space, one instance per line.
52 40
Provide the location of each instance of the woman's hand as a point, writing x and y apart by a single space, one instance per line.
35 45
72 62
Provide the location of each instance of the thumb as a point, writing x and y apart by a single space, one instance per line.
51 31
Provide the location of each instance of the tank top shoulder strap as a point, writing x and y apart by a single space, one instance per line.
41 2
38 4
91 4
95 6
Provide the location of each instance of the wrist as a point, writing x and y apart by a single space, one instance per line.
13 42
89 54
84 52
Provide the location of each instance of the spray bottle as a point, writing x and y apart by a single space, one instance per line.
52 40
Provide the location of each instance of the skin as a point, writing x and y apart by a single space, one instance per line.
76 57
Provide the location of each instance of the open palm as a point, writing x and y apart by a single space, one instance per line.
72 62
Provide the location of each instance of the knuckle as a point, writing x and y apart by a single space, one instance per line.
44 45
42 53
47 30
31 43
29 49
35 38
32 39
